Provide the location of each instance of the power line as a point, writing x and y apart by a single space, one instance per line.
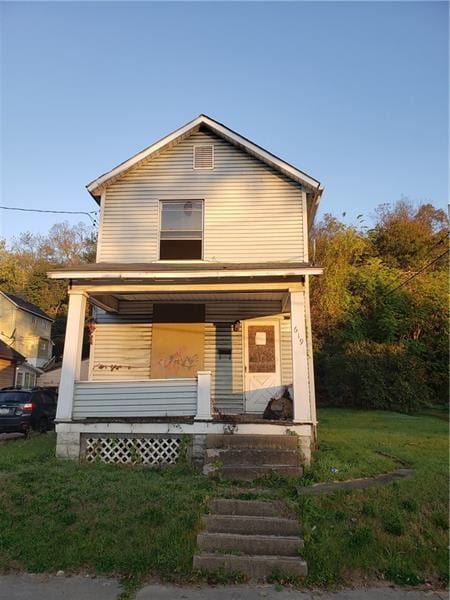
438 243
61 212
418 273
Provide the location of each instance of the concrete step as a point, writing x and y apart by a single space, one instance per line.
253 508
254 567
249 544
250 525
252 456
219 440
249 473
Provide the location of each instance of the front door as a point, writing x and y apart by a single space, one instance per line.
262 364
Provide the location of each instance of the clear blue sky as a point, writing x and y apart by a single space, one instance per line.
355 94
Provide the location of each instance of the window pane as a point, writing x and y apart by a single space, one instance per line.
181 216
261 349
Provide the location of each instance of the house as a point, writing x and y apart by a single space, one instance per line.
27 329
200 296
51 377
9 359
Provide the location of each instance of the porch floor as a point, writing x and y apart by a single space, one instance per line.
240 418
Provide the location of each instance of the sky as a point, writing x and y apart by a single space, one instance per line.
353 93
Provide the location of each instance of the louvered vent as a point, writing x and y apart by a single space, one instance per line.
204 156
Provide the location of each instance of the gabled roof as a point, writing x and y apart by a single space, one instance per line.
24 305
10 354
222 131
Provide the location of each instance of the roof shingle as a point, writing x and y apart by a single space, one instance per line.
28 306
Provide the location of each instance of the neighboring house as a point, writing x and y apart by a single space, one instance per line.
9 359
201 300
51 377
27 329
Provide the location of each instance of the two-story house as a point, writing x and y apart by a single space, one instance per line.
27 329
201 302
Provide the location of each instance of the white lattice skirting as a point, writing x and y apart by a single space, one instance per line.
133 450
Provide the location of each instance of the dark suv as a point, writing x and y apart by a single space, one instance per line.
23 410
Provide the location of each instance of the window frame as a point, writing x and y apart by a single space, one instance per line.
180 260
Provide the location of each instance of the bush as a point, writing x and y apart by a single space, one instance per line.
373 376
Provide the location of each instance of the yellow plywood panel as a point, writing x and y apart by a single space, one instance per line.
177 350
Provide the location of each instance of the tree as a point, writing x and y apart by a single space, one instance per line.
381 343
407 237
25 262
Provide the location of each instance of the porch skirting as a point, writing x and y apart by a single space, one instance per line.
119 440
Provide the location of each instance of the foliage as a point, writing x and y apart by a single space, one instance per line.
24 264
380 344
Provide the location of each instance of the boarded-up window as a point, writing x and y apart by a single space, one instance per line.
261 349
178 340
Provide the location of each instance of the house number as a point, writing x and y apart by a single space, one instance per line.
300 339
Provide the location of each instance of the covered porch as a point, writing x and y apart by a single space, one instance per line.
194 358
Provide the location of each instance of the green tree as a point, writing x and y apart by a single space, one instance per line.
24 264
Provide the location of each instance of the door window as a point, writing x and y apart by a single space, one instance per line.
261 349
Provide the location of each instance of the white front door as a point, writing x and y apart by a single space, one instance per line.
262 364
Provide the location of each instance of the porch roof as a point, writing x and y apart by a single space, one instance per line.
184 270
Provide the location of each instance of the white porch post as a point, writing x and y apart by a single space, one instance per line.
203 396
300 371
72 354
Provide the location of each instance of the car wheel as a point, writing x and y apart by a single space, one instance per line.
43 425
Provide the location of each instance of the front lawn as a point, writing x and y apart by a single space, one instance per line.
97 518
397 532
136 522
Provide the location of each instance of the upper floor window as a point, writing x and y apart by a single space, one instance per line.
181 230
204 156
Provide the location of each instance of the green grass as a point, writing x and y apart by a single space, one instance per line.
133 522
96 518
398 532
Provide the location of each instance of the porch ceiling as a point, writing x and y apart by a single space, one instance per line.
202 296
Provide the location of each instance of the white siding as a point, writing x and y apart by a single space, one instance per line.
121 349
125 339
156 398
252 212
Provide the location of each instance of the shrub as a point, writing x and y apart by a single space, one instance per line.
374 376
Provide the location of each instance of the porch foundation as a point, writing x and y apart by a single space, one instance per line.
68 444
72 436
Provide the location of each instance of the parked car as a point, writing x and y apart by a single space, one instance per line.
22 410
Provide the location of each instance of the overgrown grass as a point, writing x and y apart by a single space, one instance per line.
136 522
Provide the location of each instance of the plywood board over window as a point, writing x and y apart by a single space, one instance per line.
178 340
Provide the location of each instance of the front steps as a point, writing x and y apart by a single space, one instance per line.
248 457
253 538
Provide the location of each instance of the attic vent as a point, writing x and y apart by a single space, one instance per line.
204 156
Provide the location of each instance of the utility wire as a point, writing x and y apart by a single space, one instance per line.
61 212
418 273
438 243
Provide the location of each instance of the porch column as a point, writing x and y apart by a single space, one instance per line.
71 364
300 372
203 396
